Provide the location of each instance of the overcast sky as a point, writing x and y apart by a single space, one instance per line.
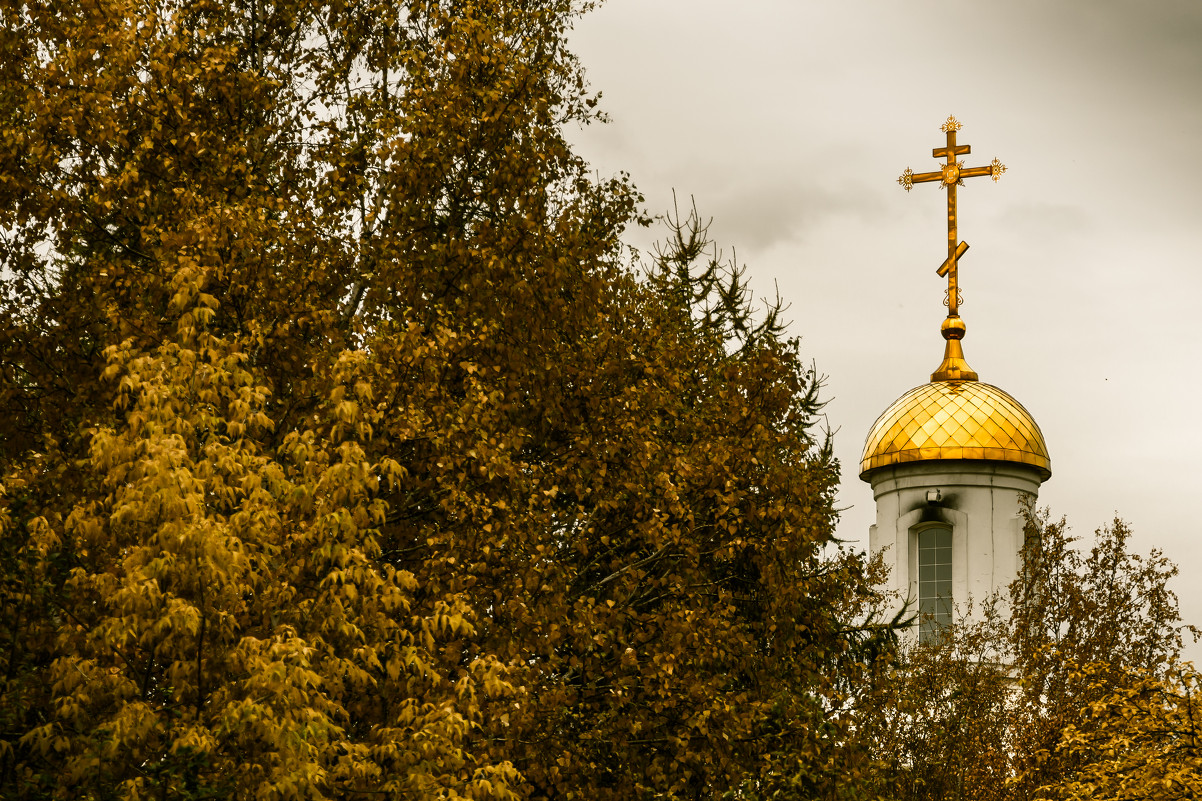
789 121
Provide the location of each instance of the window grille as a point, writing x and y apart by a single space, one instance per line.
934 581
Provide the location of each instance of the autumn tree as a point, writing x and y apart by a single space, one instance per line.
1110 608
1139 740
344 452
935 716
1004 702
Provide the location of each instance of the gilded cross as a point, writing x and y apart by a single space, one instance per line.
951 175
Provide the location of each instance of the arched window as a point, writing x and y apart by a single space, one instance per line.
934 579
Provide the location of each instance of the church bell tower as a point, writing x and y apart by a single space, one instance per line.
951 461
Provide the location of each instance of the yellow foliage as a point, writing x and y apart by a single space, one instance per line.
346 456
1141 738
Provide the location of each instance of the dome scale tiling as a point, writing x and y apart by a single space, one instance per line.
955 420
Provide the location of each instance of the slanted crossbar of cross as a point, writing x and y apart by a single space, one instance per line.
951 175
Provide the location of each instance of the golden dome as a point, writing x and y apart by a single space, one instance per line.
955 420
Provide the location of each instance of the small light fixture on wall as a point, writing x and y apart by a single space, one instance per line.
934 496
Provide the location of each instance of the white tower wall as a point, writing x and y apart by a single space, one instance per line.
982 503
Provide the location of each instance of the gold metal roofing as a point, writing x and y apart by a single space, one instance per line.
955 420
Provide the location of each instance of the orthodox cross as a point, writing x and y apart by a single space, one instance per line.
951 175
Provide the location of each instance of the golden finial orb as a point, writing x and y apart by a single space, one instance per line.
952 328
